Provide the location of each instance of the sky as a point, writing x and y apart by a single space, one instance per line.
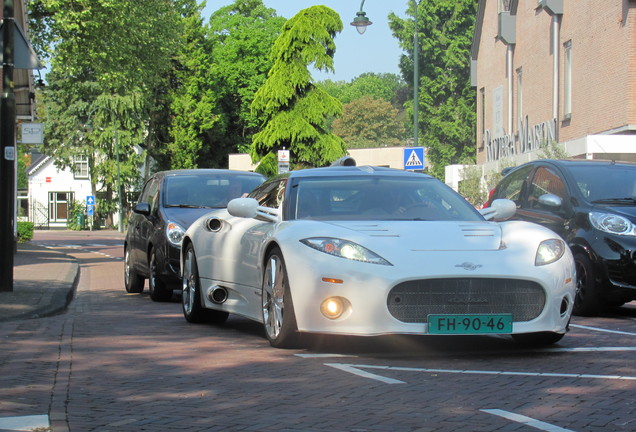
375 51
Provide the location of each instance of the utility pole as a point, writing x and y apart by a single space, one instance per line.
7 151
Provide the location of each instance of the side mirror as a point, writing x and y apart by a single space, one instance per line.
500 209
550 200
243 207
142 208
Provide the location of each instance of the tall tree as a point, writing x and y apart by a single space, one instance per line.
446 100
369 122
108 58
296 110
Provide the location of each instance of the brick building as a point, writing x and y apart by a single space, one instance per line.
561 71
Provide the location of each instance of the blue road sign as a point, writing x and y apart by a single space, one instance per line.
90 210
414 158
90 200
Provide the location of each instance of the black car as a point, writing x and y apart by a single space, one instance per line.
169 202
592 205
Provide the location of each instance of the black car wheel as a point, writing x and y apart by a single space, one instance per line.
159 290
279 318
193 311
132 281
586 302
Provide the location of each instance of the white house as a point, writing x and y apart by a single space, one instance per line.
51 190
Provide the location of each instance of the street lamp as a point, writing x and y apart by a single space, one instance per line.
120 217
361 22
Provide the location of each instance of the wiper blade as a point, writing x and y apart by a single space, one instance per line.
185 206
627 200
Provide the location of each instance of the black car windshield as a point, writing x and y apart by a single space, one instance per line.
378 198
213 191
606 184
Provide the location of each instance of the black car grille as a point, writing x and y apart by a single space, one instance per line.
413 301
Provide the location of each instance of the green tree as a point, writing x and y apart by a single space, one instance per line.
295 109
389 87
109 59
369 122
446 100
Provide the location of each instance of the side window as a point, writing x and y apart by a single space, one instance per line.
271 193
511 185
545 181
149 194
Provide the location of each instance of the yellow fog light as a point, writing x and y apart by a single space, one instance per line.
334 307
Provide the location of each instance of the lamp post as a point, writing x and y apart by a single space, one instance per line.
361 22
120 217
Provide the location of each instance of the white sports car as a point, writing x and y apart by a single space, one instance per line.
371 251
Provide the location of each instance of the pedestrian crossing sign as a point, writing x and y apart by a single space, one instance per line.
414 158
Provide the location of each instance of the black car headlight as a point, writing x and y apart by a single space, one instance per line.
174 233
344 249
549 251
612 223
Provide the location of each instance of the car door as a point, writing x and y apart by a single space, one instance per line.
544 180
141 226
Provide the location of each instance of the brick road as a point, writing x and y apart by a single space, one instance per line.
118 362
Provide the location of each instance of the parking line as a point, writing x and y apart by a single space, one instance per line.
603 330
356 370
537 424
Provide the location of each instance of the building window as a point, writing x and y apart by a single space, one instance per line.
504 6
567 80
58 206
482 114
80 167
520 96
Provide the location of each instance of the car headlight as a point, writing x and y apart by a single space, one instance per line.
549 251
611 223
174 233
344 249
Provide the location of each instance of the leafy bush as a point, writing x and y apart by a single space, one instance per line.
25 231
75 215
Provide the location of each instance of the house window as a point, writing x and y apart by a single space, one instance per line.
80 167
58 206
567 80
520 95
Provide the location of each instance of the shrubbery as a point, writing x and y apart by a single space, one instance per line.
25 231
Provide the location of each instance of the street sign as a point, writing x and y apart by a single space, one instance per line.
90 200
32 133
414 158
283 161
90 211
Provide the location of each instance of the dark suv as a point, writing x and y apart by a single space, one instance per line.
592 205
169 203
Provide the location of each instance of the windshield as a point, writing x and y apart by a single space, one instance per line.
378 198
210 190
606 182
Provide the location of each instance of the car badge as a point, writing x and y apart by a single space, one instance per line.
469 266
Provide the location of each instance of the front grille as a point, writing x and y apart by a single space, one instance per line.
413 301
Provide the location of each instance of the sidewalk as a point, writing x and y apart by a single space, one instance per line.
44 283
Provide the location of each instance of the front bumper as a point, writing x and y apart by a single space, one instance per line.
372 291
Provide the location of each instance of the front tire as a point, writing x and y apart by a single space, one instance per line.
279 318
159 291
132 281
537 339
586 302
191 306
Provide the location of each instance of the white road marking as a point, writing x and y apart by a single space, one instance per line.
526 420
603 330
355 369
587 349
25 423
